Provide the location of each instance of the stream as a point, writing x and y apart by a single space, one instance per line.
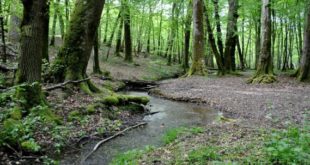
171 115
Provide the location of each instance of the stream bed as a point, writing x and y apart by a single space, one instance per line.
171 115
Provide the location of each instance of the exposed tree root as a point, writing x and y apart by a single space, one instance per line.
262 79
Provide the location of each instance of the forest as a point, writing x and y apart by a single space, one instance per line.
139 82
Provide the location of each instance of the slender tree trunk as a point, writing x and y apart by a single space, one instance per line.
198 64
96 66
119 38
212 43
32 41
3 39
52 42
218 29
109 44
46 18
304 71
187 37
264 73
106 28
127 31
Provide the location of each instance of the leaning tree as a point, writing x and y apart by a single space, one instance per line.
71 61
198 66
264 72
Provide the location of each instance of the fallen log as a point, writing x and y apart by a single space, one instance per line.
61 85
110 138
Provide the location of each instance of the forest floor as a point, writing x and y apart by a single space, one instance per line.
249 113
84 117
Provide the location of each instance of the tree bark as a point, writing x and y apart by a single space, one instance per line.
212 43
71 61
32 41
96 66
198 64
264 73
218 29
187 37
231 37
127 31
304 72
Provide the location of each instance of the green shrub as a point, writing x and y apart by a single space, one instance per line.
291 146
30 146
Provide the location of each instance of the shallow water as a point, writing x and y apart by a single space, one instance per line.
171 115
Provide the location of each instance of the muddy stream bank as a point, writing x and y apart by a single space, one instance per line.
171 115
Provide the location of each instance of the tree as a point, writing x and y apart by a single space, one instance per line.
264 72
231 36
198 65
304 72
32 44
71 61
127 31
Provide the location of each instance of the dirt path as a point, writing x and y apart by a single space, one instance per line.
258 105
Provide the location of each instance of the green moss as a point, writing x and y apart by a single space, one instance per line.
124 99
16 113
74 115
11 132
46 114
29 95
30 146
262 79
111 100
91 109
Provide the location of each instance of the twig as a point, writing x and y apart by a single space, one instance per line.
152 113
61 85
110 138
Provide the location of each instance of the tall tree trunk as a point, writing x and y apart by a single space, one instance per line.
119 38
218 57
32 41
109 44
46 18
198 64
264 73
71 62
106 28
3 39
96 66
218 29
304 72
127 31
187 37
52 42
231 37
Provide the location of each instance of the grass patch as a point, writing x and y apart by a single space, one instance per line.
172 134
131 157
203 155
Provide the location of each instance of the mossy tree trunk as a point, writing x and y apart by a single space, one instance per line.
231 37
304 71
198 64
71 61
127 31
264 73
33 37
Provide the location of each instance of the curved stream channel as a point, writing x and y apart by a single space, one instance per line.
171 115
